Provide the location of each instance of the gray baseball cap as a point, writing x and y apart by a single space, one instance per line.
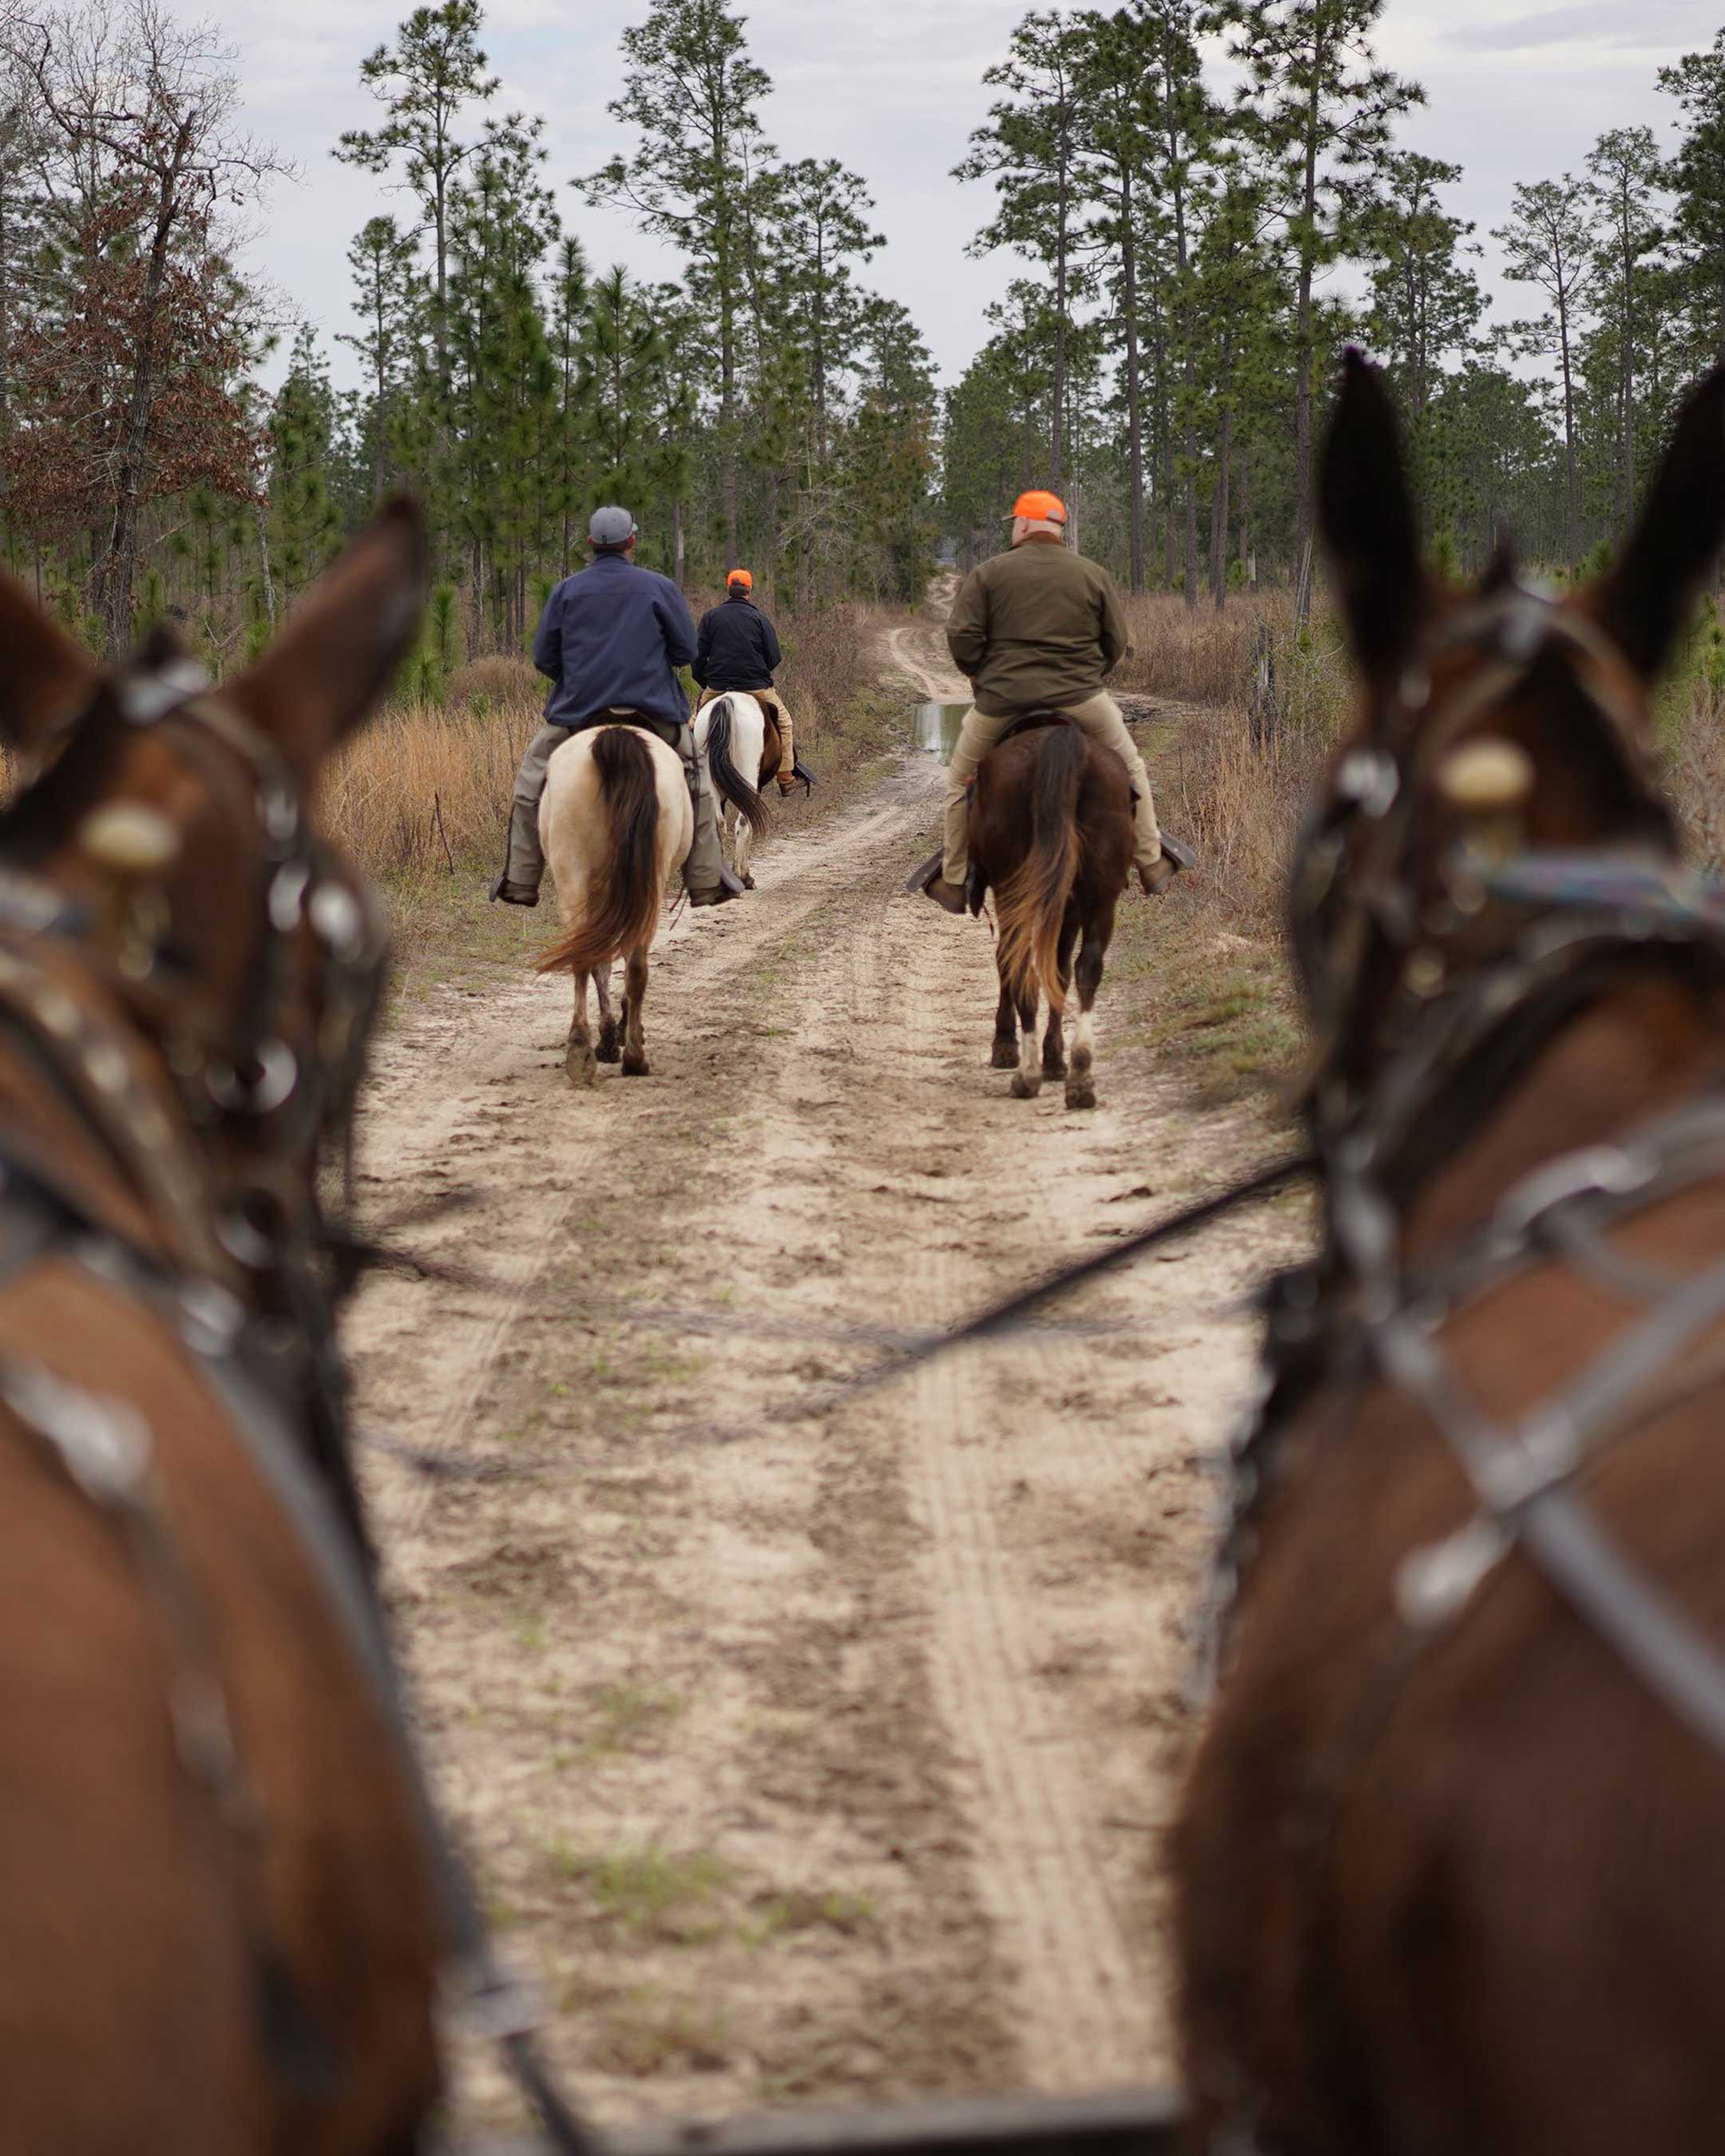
611 526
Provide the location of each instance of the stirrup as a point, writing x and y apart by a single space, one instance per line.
925 873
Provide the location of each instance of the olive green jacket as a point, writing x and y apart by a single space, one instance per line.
1037 627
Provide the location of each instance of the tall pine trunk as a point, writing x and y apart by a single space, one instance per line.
1306 505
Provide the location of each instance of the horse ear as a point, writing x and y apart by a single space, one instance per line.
46 680
1643 602
1366 514
342 642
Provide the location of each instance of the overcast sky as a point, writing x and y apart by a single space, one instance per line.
892 88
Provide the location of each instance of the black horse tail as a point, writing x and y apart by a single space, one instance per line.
732 786
1032 901
620 906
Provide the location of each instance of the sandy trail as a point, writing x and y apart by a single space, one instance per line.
808 1760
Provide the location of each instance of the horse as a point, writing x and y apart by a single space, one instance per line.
222 1917
736 734
616 823
1051 836
1449 1864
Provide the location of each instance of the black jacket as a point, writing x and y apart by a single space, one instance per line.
735 646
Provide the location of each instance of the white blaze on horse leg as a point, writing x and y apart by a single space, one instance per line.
745 839
1029 1057
1083 1040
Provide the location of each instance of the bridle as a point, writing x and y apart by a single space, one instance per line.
1354 901
239 1272
1448 1049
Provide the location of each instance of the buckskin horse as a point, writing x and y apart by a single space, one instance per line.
1051 836
221 1923
615 822
736 735
1450 1866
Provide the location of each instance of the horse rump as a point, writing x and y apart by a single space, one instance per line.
1031 902
620 903
732 786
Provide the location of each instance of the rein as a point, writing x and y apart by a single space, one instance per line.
238 1279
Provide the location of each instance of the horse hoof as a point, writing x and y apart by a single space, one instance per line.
1083 1094
748 881
1053 1067
582 1065
609 1051
1005 1056
636 1066
1024 1088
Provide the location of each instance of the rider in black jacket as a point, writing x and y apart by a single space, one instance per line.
737 647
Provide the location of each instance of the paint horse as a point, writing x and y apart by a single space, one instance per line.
1051 836
616 823
735 736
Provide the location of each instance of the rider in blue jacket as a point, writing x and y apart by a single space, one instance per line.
610 642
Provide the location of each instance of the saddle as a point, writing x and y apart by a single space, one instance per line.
1030 722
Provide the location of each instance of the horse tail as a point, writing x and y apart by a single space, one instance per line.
620 906
732 786
1032 901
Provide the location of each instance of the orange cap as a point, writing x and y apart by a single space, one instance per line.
739 577
1041 508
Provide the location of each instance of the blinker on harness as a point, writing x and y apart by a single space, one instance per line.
1590 920
273 1367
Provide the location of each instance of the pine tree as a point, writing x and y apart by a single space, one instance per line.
1623 170
1548 242
1030 149
691 92
390 303
1322 108
434 71
1696 176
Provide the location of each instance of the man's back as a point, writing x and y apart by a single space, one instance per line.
1040 626
736 646
611 636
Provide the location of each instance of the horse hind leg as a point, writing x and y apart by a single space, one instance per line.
1005 1055
635 1041
1080 1084
579 1060
609 1051
1027 1079
745 845
1053 1039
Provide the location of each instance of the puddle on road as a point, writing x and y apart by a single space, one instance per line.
934 728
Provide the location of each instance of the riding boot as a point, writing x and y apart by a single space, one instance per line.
706 877
524 862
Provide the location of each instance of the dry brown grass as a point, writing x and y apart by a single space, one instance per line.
497 681
422 789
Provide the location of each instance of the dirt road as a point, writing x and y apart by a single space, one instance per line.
823 1756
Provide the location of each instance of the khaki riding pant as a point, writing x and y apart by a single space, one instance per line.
1099 716
526 862
773 705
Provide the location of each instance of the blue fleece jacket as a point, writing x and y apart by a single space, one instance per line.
613 635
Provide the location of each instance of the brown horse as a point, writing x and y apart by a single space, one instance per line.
1051 836
221 1930
1450 1864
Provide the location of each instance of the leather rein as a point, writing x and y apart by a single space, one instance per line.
1359 1313
242 1280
